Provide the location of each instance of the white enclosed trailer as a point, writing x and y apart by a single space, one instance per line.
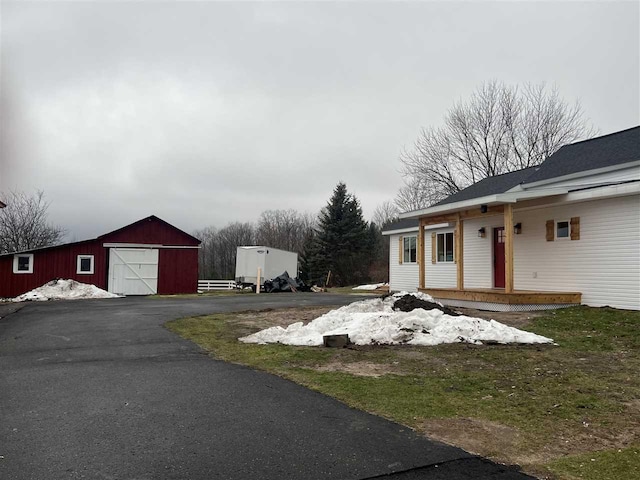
271 262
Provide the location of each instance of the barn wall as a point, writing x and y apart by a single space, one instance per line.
178 271
50 264
151 231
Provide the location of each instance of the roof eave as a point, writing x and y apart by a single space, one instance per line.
400 230
583 173
499 199
414 229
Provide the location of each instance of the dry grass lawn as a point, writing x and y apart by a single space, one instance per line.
563 411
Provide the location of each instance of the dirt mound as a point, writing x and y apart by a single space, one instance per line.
408 303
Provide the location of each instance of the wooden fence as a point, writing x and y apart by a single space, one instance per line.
208 285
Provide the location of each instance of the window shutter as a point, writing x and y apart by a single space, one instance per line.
455 242
400 249
433 247
550 234
575 228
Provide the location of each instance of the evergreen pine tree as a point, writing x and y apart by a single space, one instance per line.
341 243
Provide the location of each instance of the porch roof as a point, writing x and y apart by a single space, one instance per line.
489 200
490 186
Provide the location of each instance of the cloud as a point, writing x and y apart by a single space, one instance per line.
208 112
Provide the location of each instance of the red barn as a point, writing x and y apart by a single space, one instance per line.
147 257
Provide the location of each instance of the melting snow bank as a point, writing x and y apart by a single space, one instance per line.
375 322
63 290
373 286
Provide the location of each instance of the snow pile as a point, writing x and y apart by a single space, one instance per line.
63 290
375 322
373 286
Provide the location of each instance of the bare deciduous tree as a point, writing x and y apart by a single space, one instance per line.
499 129
284 229
24 225
207 267
229 239
415 194
385 213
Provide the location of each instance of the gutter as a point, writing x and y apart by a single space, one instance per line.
415 229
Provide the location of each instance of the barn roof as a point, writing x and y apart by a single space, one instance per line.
142 222
114 233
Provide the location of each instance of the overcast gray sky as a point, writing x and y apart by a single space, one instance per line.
209 112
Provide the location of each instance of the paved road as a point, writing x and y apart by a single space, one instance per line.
98 389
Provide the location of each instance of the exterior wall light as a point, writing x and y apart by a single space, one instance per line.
482 232
517 228
483 209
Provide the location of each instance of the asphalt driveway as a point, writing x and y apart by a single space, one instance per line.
98 389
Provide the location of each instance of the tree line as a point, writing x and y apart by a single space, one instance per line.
337 240
283 229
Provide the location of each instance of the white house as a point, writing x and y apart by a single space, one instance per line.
562 233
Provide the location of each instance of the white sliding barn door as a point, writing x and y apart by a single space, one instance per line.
133 271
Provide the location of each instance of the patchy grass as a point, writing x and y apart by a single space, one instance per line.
619 464
542 407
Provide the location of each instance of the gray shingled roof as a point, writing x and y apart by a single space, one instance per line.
613 149
490 186
608 150
402 224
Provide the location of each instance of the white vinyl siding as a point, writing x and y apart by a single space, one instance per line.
604 264
402 277
478 252
439 274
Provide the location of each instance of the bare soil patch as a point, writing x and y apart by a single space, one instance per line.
360 369
481 437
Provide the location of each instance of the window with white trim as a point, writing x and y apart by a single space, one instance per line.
23 263
410 249
563 229
444 247
84 264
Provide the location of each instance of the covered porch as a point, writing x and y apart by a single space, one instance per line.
502 298
498 300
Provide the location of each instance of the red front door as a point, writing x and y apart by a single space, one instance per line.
498 257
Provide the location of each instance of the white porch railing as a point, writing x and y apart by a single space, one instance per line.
208 285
